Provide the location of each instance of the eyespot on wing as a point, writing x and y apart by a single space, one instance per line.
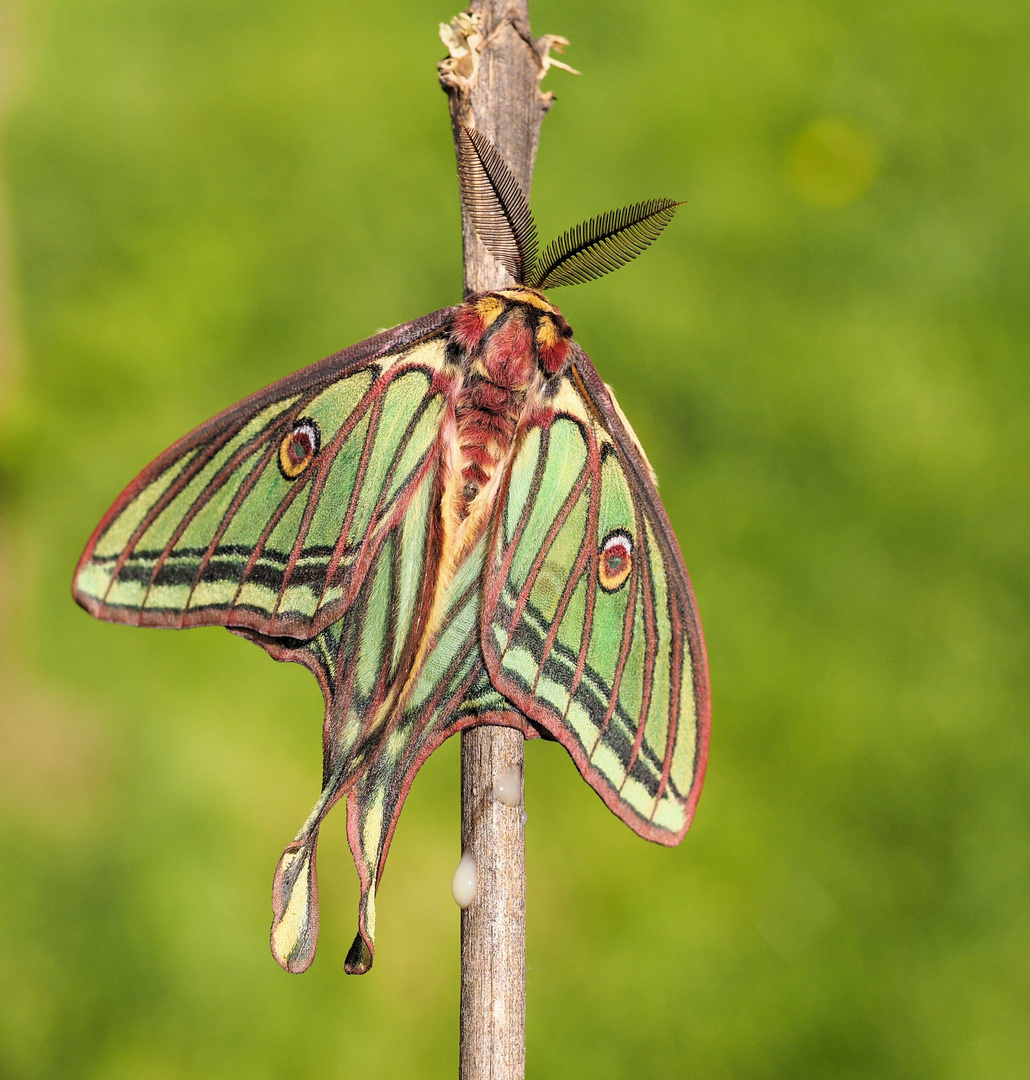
299 447
615 560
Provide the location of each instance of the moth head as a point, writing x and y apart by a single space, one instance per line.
511 327
552 335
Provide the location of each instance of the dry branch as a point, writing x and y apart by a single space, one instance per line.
492 78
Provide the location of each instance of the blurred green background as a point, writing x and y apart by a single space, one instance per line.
826 357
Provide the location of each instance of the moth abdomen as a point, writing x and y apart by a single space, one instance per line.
486 415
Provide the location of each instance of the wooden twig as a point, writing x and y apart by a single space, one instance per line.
492 78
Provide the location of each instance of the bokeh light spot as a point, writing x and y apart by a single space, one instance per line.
832 161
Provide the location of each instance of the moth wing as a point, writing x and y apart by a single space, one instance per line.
237 526
589 623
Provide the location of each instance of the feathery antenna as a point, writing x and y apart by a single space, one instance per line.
496 203
503 221
602 244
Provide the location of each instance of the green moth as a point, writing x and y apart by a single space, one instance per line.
449 524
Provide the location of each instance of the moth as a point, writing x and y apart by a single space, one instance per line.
451 523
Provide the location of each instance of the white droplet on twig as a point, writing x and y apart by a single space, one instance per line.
463 884
523 817
508 786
